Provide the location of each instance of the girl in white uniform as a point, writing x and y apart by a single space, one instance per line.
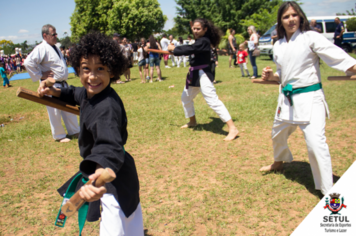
301 101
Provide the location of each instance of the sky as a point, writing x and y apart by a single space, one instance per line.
23 19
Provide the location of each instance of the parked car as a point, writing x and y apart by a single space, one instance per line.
327 26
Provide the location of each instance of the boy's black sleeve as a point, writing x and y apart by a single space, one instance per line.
199 46
107 150
71 95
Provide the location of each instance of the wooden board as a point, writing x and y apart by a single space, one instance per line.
158 51
48 101
342 77
260 81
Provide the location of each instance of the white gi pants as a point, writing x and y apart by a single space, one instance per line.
114 222
135 57
318 150
180 59
173 58
70 121
209 93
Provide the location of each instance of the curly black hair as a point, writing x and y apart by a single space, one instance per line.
108 50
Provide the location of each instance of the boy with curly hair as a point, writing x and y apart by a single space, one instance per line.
99 61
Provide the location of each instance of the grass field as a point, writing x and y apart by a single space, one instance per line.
191 181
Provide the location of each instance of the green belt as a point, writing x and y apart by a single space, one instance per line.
83 211
288 90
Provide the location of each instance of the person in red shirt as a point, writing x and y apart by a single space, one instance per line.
241 56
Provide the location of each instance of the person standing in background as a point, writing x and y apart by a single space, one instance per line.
190 42
231 46
117 38
127 52
181 58
314 26
146 56
241 57
141 63
274 35
164 46
172 40
154 58
252 45
46 61
3 73
339 31
214 61
134 48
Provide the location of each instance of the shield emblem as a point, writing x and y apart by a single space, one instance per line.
335 203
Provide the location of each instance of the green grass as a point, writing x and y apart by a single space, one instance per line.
191 182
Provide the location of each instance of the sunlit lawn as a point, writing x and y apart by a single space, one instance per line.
192 182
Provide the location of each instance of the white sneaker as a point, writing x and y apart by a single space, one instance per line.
167 67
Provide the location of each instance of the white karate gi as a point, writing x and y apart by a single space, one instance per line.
181 58
43 58
115 223
298 64
174 58
209 93
164 44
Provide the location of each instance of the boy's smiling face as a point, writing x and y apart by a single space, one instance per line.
94 76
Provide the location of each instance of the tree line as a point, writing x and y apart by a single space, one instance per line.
141 18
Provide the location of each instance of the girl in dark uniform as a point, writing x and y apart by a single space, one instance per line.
200 78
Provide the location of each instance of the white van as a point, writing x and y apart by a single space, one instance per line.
327 26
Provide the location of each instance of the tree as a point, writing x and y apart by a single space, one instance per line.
263 19
132 18
225 40
5 42
65 42
351 24
24 46
349 13
225 14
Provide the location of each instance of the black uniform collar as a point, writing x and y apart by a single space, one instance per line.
99 96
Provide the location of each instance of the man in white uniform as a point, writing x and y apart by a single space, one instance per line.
172 40
164 46
46 60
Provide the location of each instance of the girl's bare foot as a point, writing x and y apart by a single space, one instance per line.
276 166
233 132
188 125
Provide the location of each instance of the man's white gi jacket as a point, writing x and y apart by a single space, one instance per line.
43 58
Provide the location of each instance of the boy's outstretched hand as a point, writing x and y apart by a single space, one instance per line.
90 193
